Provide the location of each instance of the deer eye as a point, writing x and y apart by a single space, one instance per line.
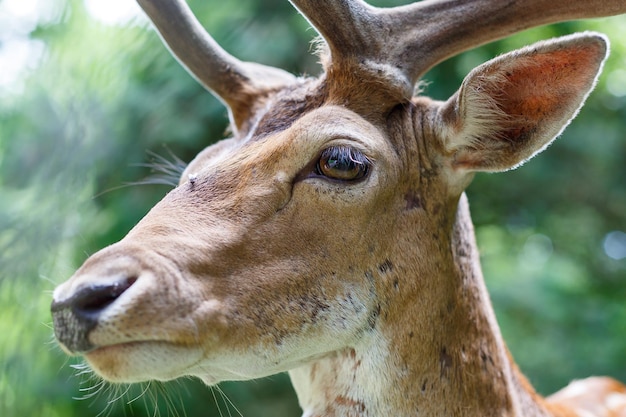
343 163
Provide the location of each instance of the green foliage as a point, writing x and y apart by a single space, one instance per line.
75 130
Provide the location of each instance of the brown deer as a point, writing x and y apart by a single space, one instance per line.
330 236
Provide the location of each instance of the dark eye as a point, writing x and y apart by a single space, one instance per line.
343 163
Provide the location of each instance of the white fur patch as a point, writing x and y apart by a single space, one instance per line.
616 401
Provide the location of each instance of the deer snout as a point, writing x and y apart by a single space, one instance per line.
114 298
75 317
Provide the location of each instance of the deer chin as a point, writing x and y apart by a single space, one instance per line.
143 361
160 360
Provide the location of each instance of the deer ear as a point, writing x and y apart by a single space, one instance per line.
512 107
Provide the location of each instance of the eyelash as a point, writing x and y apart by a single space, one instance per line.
343 163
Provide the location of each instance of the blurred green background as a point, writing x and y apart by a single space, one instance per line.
88 95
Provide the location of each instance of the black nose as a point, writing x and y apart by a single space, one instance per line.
78 315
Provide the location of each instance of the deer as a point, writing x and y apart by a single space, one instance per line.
330 236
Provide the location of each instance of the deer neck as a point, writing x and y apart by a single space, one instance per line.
436 349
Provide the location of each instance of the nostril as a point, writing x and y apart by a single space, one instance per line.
75 317
97 298
88 302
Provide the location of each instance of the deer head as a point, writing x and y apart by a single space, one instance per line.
330 236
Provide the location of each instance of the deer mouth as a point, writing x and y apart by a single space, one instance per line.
116 347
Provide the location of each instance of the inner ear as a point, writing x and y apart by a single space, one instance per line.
512 107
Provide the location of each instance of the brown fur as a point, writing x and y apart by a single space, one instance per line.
369 292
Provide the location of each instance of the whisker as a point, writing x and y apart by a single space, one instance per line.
140 394
152 396
93 387
170 404
217 404
52 342
113 400
108 409
226 399
46 278
108 190
167 171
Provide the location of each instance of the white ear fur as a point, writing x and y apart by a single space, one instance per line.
512 107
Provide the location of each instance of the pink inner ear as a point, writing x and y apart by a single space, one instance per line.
545 86
513 106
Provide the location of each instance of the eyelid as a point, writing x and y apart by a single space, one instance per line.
346 151
348 142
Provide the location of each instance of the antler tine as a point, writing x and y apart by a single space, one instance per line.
233 81
343 24
428 32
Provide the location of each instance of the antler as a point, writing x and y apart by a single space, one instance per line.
393 45
237 83
407 41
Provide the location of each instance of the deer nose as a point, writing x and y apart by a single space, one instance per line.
75 317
